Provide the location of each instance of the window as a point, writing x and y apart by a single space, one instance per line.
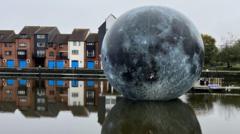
51 54
75 43
9 93
40 108
75 52
90 94
41 44
8 45
41 36
90 54
90 44
21 92
40 92
21 52
41 100
22 45
40 52
74 94
8 53
23 100
61 46
90 83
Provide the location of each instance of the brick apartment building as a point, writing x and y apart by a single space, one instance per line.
8 48
91 49
25 46
36 46
57 52
42 37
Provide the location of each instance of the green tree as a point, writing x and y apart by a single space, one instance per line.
211 51
230 54
226 56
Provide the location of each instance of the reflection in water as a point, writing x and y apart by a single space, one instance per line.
71 101
204 103
233 101
128 117
46 98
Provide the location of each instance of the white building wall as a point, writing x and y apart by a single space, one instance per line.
76 45
73 100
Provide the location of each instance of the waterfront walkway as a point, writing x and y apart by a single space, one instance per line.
91 73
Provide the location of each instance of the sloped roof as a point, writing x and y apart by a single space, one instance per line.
10 39
61 39
79 111
79 35
45 30
92 37
29 30
8 107
7 36
104 23
6 32
30 113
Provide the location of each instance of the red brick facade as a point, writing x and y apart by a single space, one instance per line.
25 44
9 53
18 51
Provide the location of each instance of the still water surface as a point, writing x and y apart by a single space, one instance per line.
93 107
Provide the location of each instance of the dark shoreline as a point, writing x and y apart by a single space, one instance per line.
92 73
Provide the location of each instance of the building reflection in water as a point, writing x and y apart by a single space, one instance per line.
46 98
99 101
173 117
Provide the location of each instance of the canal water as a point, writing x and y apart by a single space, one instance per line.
93 107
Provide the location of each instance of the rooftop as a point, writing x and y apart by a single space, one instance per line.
61 39
79 35
46 30
29 30
92 37
7 36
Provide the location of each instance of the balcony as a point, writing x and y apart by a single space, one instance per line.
62 56
40 54
90 97
21 54
90 54
22 91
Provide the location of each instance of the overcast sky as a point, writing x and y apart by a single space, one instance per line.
218 18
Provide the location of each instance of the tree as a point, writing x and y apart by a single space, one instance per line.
230 53
225 55
211 51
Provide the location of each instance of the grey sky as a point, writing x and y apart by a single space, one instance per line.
215 17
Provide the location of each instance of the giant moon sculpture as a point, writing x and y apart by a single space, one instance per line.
152 53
